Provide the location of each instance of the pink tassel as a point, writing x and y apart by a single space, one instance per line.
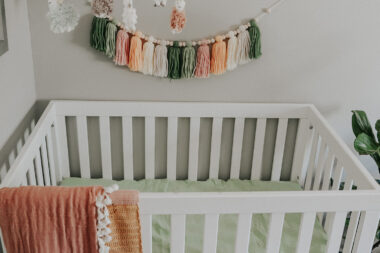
122 48
202 70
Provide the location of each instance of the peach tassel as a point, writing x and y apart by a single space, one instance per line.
202 68
135 53
122 48
218 56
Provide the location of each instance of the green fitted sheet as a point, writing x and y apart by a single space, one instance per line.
227 222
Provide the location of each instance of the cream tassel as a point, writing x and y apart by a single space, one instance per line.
244 43
148 51
160 68
232 51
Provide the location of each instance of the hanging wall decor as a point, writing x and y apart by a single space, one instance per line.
62 16
173 59
178 18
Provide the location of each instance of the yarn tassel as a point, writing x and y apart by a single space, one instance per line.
232 51
98 33
111 39
244 45
188 61
255 37
218 56
148 52
135 53
174 61
122 48
160 67
202 69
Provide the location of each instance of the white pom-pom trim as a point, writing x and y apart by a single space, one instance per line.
103 231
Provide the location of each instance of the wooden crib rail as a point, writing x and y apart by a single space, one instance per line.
277 205
37 161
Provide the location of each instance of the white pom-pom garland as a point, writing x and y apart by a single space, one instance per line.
62 16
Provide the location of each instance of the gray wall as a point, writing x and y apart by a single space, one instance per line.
17 89
323 52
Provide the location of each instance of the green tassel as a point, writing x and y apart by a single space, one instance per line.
111 39
98 34
174 61
188 61
255 36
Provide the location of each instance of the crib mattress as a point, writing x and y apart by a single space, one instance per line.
227 222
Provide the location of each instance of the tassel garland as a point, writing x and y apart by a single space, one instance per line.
188 61
174 61
135 53
122 48
202 69
160 67
232 51
218 56
111 39
244 44
148 52
98 34
255 37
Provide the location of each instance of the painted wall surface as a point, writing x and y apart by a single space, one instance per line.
17 87
322 52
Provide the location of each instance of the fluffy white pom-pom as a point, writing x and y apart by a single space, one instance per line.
63 17
129 16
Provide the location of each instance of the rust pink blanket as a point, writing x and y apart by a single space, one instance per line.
49 219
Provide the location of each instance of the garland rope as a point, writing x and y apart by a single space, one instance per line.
164 58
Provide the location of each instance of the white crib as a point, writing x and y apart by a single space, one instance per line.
320 161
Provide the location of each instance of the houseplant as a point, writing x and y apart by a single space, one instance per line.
367 144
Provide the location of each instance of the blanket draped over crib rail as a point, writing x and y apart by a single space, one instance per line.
69 219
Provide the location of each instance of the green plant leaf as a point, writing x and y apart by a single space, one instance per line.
377 127
360 124
365 144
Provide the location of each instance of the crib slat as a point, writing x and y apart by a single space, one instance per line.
62 148
305 233
337 178
368 223
279 149
105 144
31 175
3 172
45 164
56 152
172 148
194 148
336 231
275 232
302 141
237 148
310 167
146 232
178 225
11 158
38 166
210 234
24 181
128 147
257 160
243 233
51 158
149 147
84 157
318 171
327 172
216 139
351 232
